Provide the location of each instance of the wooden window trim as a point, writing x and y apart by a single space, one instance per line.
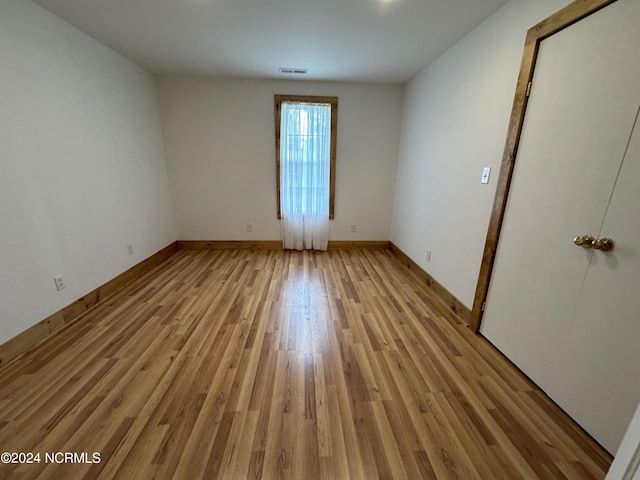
562 19
333 101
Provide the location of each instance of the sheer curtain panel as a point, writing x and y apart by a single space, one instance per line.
305 138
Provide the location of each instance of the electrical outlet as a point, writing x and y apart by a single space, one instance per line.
249 227
59 281
130 249
354 228
428 256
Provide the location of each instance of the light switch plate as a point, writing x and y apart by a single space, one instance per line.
486 171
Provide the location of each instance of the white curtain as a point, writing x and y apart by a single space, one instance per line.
305 139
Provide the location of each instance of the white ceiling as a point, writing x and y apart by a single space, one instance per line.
349 40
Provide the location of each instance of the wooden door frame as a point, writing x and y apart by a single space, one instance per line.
560 20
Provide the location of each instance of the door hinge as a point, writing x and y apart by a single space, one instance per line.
528 89
484 304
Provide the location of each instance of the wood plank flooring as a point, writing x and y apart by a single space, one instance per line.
239 364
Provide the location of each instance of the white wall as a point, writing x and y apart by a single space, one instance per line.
82 170
220 143
454 123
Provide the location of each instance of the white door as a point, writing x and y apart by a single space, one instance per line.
602 349
626 465
566 315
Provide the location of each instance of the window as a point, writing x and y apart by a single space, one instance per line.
299 137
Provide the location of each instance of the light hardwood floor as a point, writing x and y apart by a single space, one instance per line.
237 364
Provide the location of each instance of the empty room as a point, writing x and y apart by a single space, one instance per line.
360 239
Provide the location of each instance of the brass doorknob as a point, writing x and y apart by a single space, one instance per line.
588 241
584 241
605 244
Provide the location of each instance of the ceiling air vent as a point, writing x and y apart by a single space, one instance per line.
295 71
